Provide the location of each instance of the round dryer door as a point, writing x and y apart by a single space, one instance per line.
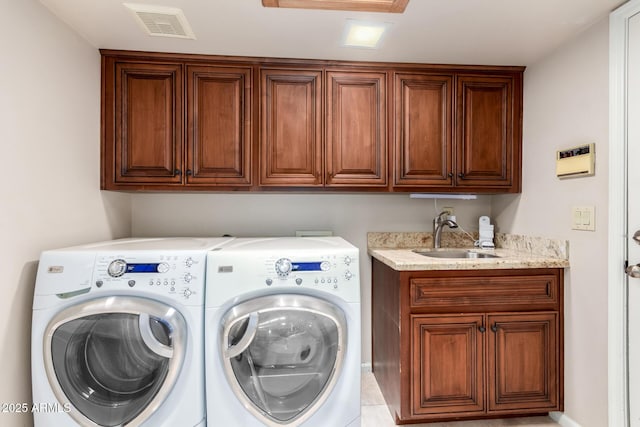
114 359
283 355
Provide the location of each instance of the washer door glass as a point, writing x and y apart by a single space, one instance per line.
283 354
111 366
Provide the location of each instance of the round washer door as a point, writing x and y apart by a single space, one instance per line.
283 354
114 359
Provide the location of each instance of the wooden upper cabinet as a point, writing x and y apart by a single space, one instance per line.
356 129
219 125
291 127
204 122
488 145
466 138
423 130
144 121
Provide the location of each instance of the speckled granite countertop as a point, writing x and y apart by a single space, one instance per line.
513 251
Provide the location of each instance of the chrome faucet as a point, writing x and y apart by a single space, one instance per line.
439 223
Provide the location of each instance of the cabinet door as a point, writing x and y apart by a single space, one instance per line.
486 111
356 129
147 123
219 116
447 361
523 362
291 128
423 130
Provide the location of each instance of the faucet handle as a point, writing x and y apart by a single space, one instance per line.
444 216
441 214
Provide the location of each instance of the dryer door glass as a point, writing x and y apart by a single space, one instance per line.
284 355
111 366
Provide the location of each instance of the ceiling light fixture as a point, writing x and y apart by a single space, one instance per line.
385 6
364 34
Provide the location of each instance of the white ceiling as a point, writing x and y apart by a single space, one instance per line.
498 32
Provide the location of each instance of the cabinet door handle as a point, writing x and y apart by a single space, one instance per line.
460 175
450 174
494 328
177 172
482 329
189 172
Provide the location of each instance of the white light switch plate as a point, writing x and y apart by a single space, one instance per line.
583 218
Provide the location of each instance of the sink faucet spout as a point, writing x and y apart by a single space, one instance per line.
439 223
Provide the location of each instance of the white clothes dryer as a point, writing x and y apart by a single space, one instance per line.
282 333
117 334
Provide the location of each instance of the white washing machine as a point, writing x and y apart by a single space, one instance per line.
117 334
282 333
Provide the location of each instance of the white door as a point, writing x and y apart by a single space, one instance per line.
633 244
632 117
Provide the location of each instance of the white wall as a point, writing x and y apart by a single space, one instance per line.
50 137
566 104
348 215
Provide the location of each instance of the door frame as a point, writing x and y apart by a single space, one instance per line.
618 373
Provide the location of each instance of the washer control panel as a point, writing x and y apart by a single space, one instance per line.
177 275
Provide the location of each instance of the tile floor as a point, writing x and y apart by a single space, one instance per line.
376 414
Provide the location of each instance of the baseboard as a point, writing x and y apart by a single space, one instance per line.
564 420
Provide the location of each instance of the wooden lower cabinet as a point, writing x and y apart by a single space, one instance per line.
522 355
448 362
470 354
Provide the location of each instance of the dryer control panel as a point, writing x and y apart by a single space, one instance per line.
233 274
177 275
331 270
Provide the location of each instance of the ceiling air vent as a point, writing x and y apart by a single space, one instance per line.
161 21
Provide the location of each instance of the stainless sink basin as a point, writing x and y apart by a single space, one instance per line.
434 253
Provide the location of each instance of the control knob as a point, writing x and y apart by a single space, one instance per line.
163 267
117 268
348 275
187 293
283 267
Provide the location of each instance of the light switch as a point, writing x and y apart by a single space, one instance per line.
584 218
